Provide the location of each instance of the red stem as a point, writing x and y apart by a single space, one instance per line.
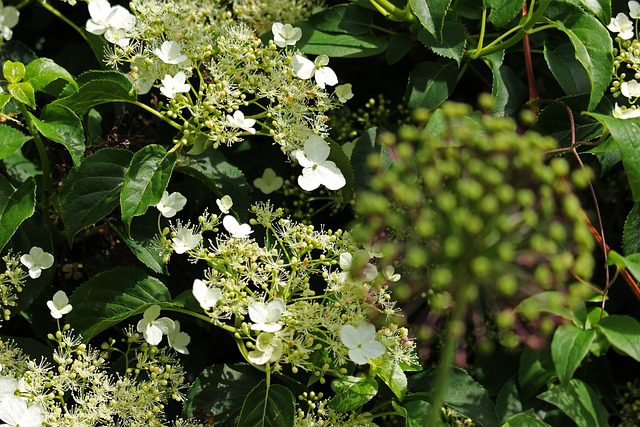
533 92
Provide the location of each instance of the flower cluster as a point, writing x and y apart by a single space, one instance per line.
12 281
626 73
303 297
260 14
315 411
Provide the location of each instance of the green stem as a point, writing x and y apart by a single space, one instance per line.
157 114
386 8
59 14
483 25
202 317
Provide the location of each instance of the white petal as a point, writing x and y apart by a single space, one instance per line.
258 312
35 272
345 261
8 387
99 9
12 409
27 261
230 223
326 76
302 159
11 16
142 325
266 327
165 324
151 313
316 149
308 181
258 357
366 333
275 309
303 67
349 336
357 356
330 176
373 349
60 299
153 335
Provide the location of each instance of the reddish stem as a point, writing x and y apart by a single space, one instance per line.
533 92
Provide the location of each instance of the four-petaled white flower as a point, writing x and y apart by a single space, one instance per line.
305 69
390 274
269 348
113 22
630 89
169 53
369 271
268 182
153 328
236 229
174 85
361 342
9 17
625 113
178 340
622 25
224 204
171 204
265 317
59 305
206 296
238 121
285 34
15 412
317 170
185 239
36 261
344 92
634 9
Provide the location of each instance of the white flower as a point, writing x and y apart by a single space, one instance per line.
153 328
9 16
236 229
174 85
369 271
373 250
621 24
269 182
317 170
224 204
59 305
207 297
185 240
625 113
285 34
178 340
269 348
169 53
114 22
630 89
344 92
390 274
8 387
171 204
305 69
634 9
265 317
36 261
15 413
145 78
361 342
238 121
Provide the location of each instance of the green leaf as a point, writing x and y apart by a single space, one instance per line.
142 241
579 402
452 43
535 369
15 207
365 146
569 346
462 394
42 71
399 45
112 297
623 332
13 72
343 18
336 45
418 414
221 390
626 134
11 140
102 87
394 377
145 180
507 89
567 70
554 303
353 393
430 84
525 420
342 162
508 402
267 407
503 11
18 168
631 235
554 120
91 191
600 8
23 92
431 14
61 125
593 48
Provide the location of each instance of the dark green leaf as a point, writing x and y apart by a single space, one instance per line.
503 11
18 168
23 92
342 162
365 146
508 402
507 89
623 332
452 43
569 346
145 180
430 84
11 140
15 207
316 42
525 420
567 70
61 125
418 414
631 235
536 368
92 191
431 14
554 119
267 407
112 297
555 303
579 402
42 71
353 392
143 241
399 45
343 18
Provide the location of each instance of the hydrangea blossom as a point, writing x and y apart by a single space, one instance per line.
265 317
171 86
269 348
285 34
178 340
268 182
630 89
9 17
634 9
185 239
390 274
171 204
238 121
236 229
625 113
206 296
317 169
15 412
153 328
621 25
344 92
224 204
361 342
59 305
369 271
169 53
36 261
112 22
305 69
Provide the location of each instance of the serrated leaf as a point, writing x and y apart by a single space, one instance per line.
60 124
569 346
399 45
145 180
343 18
42 71
92 191
431 14
353 393
631 235
267 407
337 45
579 402
112 297
452 43
567 70
11 140
623 332
430 84
15 207
503 11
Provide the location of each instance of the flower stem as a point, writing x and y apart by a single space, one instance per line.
157 114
